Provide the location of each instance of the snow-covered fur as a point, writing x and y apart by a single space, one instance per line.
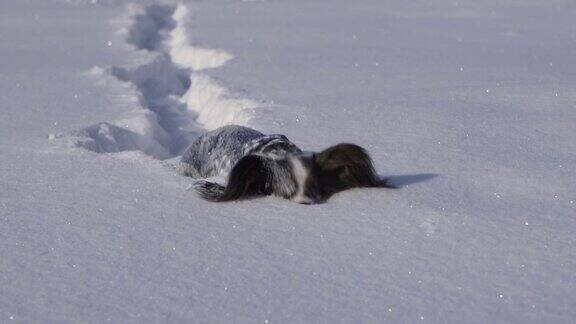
259 164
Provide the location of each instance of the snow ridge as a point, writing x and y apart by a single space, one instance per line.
175 101
215 105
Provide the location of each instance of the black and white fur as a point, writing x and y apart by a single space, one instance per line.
259 164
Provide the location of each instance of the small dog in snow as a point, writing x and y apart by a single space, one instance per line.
259 164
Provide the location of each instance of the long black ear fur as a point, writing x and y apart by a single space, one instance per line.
251 176
345 166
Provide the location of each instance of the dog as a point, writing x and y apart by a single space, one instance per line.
260 165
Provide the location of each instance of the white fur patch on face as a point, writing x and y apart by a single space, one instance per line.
301 174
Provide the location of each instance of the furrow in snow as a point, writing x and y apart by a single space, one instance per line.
175 101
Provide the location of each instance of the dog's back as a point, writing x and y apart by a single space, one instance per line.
216 152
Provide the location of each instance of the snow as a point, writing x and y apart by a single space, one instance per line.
467 105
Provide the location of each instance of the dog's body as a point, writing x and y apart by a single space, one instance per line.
259 164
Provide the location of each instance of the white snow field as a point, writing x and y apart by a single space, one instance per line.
470 107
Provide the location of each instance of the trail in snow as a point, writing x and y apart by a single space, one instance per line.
175 101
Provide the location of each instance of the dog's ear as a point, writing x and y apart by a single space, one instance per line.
251 176
345 166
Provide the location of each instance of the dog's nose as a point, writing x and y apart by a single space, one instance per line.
308 201
303 200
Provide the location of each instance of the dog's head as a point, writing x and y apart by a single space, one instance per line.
306 178
340 167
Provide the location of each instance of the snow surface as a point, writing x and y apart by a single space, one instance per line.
469 106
